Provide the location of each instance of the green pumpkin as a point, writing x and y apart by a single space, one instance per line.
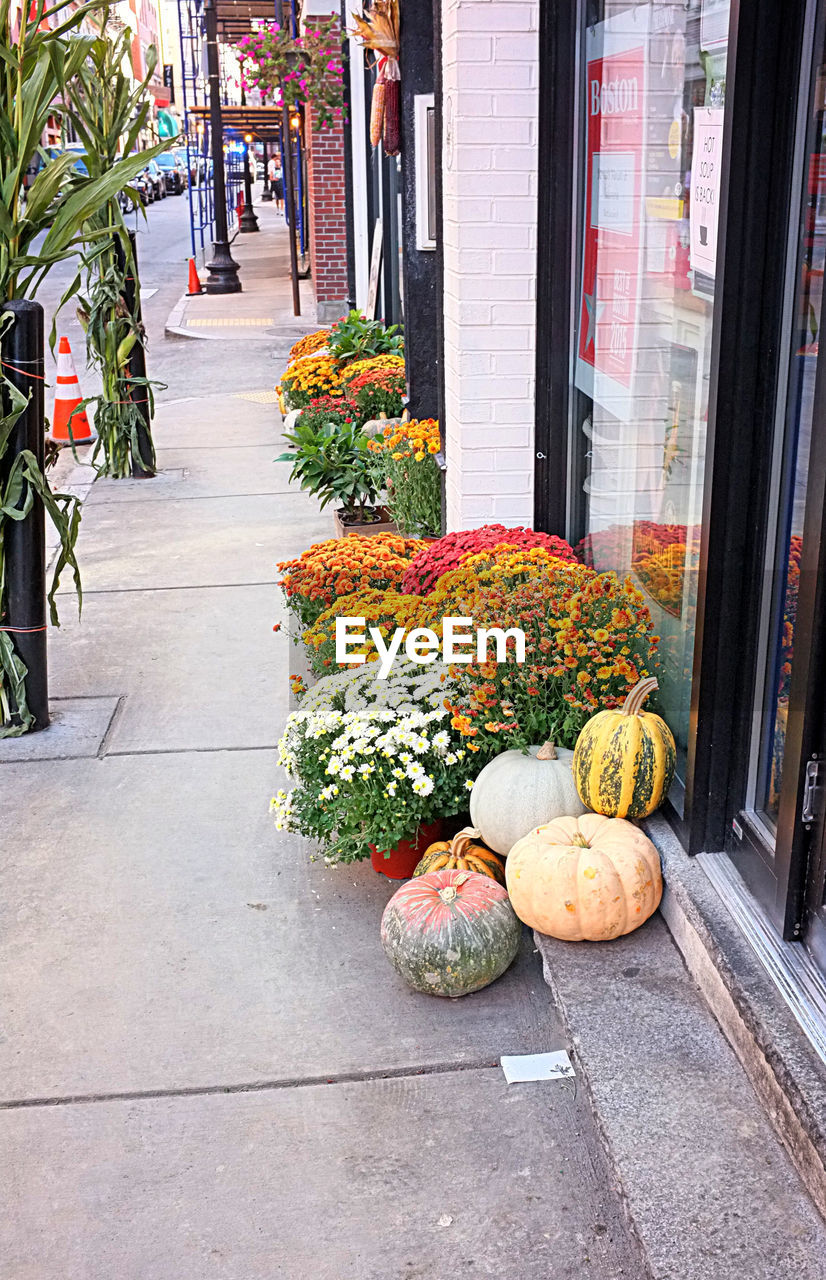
624 760
450 932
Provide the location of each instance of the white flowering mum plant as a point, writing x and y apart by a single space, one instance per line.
372 760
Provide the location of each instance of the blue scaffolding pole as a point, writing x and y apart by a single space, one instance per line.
199 153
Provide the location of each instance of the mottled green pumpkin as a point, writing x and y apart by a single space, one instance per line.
462 853
450 932
624 760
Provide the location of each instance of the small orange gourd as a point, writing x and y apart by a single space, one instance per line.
462 853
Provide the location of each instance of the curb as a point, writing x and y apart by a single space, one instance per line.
174 327
778 1058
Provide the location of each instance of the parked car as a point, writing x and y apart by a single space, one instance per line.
144 189
174 179
180 155
156 178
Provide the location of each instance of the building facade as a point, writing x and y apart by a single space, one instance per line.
628 298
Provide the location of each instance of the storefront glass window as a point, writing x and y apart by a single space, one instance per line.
652 103
792 466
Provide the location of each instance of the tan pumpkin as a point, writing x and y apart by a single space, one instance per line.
589 878
462 853
516 792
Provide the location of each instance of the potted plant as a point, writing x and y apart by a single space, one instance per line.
328 571
354 337
306 379
377 393
406 467
375 765
449 552
48 208
332 461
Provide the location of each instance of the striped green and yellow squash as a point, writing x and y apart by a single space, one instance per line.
462 853
624 760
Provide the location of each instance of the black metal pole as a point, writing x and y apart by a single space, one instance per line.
289 196
248 221
266 194
223 269
139 395
25 540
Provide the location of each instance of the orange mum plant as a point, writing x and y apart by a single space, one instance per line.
329 570
406 465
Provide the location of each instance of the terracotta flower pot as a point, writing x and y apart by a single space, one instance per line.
401 862
383 525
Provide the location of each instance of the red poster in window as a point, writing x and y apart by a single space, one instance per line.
613 236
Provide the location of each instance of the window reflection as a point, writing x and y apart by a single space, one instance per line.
650 159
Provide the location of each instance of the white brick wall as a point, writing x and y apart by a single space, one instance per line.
490 72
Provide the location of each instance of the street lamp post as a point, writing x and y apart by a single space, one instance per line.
289 196
223 269
266 194
248 220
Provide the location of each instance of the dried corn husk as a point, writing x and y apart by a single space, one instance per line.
378 29
377 111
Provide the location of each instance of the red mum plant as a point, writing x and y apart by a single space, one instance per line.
448 553
327 409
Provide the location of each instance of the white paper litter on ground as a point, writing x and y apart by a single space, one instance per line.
537 1066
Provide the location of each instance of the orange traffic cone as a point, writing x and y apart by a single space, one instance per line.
195 286
66 399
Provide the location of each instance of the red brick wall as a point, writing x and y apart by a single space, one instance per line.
328 226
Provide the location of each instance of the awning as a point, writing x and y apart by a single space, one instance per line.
264 123
168 126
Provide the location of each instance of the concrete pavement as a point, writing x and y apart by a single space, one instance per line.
208 1068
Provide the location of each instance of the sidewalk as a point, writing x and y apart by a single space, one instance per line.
208 1067
259 310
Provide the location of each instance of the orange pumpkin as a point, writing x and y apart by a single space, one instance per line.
590 878
462 853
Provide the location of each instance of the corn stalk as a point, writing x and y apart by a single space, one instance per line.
108 114
38 64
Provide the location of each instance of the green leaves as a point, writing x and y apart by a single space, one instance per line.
40 72
109 112
356 338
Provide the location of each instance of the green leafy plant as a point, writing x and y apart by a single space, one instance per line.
44 220
373 759
108 113
332 461
354 337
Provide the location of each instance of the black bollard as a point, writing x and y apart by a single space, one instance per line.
248 221
139 394
25 540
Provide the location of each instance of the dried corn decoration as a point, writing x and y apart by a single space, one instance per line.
377 112
378 29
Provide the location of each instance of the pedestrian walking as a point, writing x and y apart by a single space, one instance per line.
276 182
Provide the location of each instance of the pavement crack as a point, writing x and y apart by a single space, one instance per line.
254 1086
